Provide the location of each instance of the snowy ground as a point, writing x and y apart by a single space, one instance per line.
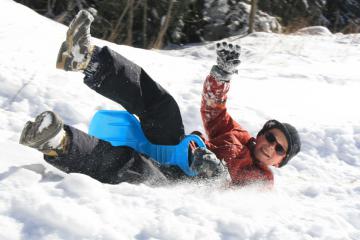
311 81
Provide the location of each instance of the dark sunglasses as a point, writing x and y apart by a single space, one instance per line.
269 136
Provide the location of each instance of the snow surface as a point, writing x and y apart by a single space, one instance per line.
311 81
46 122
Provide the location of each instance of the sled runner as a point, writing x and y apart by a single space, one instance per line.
121 128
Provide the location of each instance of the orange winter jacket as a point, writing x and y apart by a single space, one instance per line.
227 139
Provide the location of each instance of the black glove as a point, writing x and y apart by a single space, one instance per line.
206 164
227 61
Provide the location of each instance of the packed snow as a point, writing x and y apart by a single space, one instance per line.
311 81
46 122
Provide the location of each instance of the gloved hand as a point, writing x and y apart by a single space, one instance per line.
206 164
227 61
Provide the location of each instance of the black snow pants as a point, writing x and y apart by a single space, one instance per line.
124 82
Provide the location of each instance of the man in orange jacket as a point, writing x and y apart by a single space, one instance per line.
247 159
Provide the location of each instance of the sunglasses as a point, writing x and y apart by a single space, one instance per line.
269 136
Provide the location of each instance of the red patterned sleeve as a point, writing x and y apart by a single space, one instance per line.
214 114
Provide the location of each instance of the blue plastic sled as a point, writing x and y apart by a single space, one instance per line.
121 128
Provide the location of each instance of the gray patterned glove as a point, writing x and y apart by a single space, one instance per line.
227 61
206 164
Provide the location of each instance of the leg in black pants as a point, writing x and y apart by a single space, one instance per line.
122 81
129 85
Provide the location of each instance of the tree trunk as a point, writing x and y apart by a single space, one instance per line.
160 38
50 6
62 16
252 15
145 24
79 4
116 30
128 40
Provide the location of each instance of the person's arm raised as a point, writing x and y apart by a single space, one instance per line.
216 86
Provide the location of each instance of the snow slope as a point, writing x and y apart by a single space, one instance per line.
311 81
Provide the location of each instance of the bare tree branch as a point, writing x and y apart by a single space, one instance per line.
116 31
128 40
145 24
160 38
62 16
79 4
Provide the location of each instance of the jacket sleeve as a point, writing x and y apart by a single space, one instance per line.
216 119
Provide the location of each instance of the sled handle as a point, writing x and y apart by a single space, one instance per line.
181 155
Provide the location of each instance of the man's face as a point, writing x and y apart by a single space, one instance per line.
271 147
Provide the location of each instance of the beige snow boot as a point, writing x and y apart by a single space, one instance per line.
75 53
45 134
